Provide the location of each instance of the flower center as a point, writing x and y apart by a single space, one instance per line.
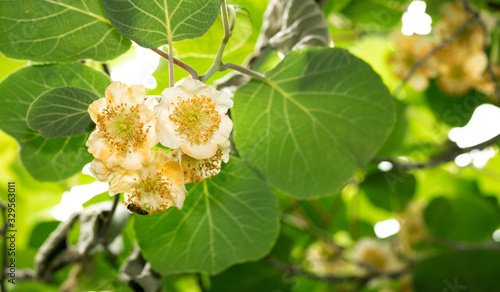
153 192
198 170
196 118
120 125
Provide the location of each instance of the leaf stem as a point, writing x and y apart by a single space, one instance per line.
217 64
241 69
178 63
171 79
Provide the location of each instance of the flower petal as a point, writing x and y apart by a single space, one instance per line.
199 151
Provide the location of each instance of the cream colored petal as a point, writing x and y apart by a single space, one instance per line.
199 151
138 92
150 102
96 108
223 102
180 197
132 160
190 86
99 147
225 128
118 93
121 182
100 171
170 96
168 137
225 148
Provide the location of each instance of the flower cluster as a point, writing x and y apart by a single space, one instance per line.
190 119
461 65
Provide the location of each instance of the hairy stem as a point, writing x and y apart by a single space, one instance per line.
178 63
171 79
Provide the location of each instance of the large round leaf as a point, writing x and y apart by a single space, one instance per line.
58 31
464 218
391 190
61 112
471 271
321 115
229 219
152 24
46 159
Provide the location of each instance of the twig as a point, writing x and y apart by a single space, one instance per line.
491 245
430 54
249 72
171 79
295 270
108 219
447 157
217 64
178 63
481 23
4 246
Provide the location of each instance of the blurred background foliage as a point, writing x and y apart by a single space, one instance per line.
440 222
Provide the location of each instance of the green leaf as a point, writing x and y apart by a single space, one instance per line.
303 26
391 190
229 219
250 277
152 24
464 218
395 140
58 31
207 45
471 271
321 116
455 111
46 159
375 13
61 112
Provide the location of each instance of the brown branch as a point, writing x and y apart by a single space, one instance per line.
457 245
178 63
295 270
102 233
446 157
477 18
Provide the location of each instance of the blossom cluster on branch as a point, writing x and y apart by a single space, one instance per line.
459 66
189 121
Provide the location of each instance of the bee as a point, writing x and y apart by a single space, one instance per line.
136 209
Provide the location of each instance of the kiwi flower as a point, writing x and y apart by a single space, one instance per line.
192 117
376 254
125 126
196 170
155 187
158 185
